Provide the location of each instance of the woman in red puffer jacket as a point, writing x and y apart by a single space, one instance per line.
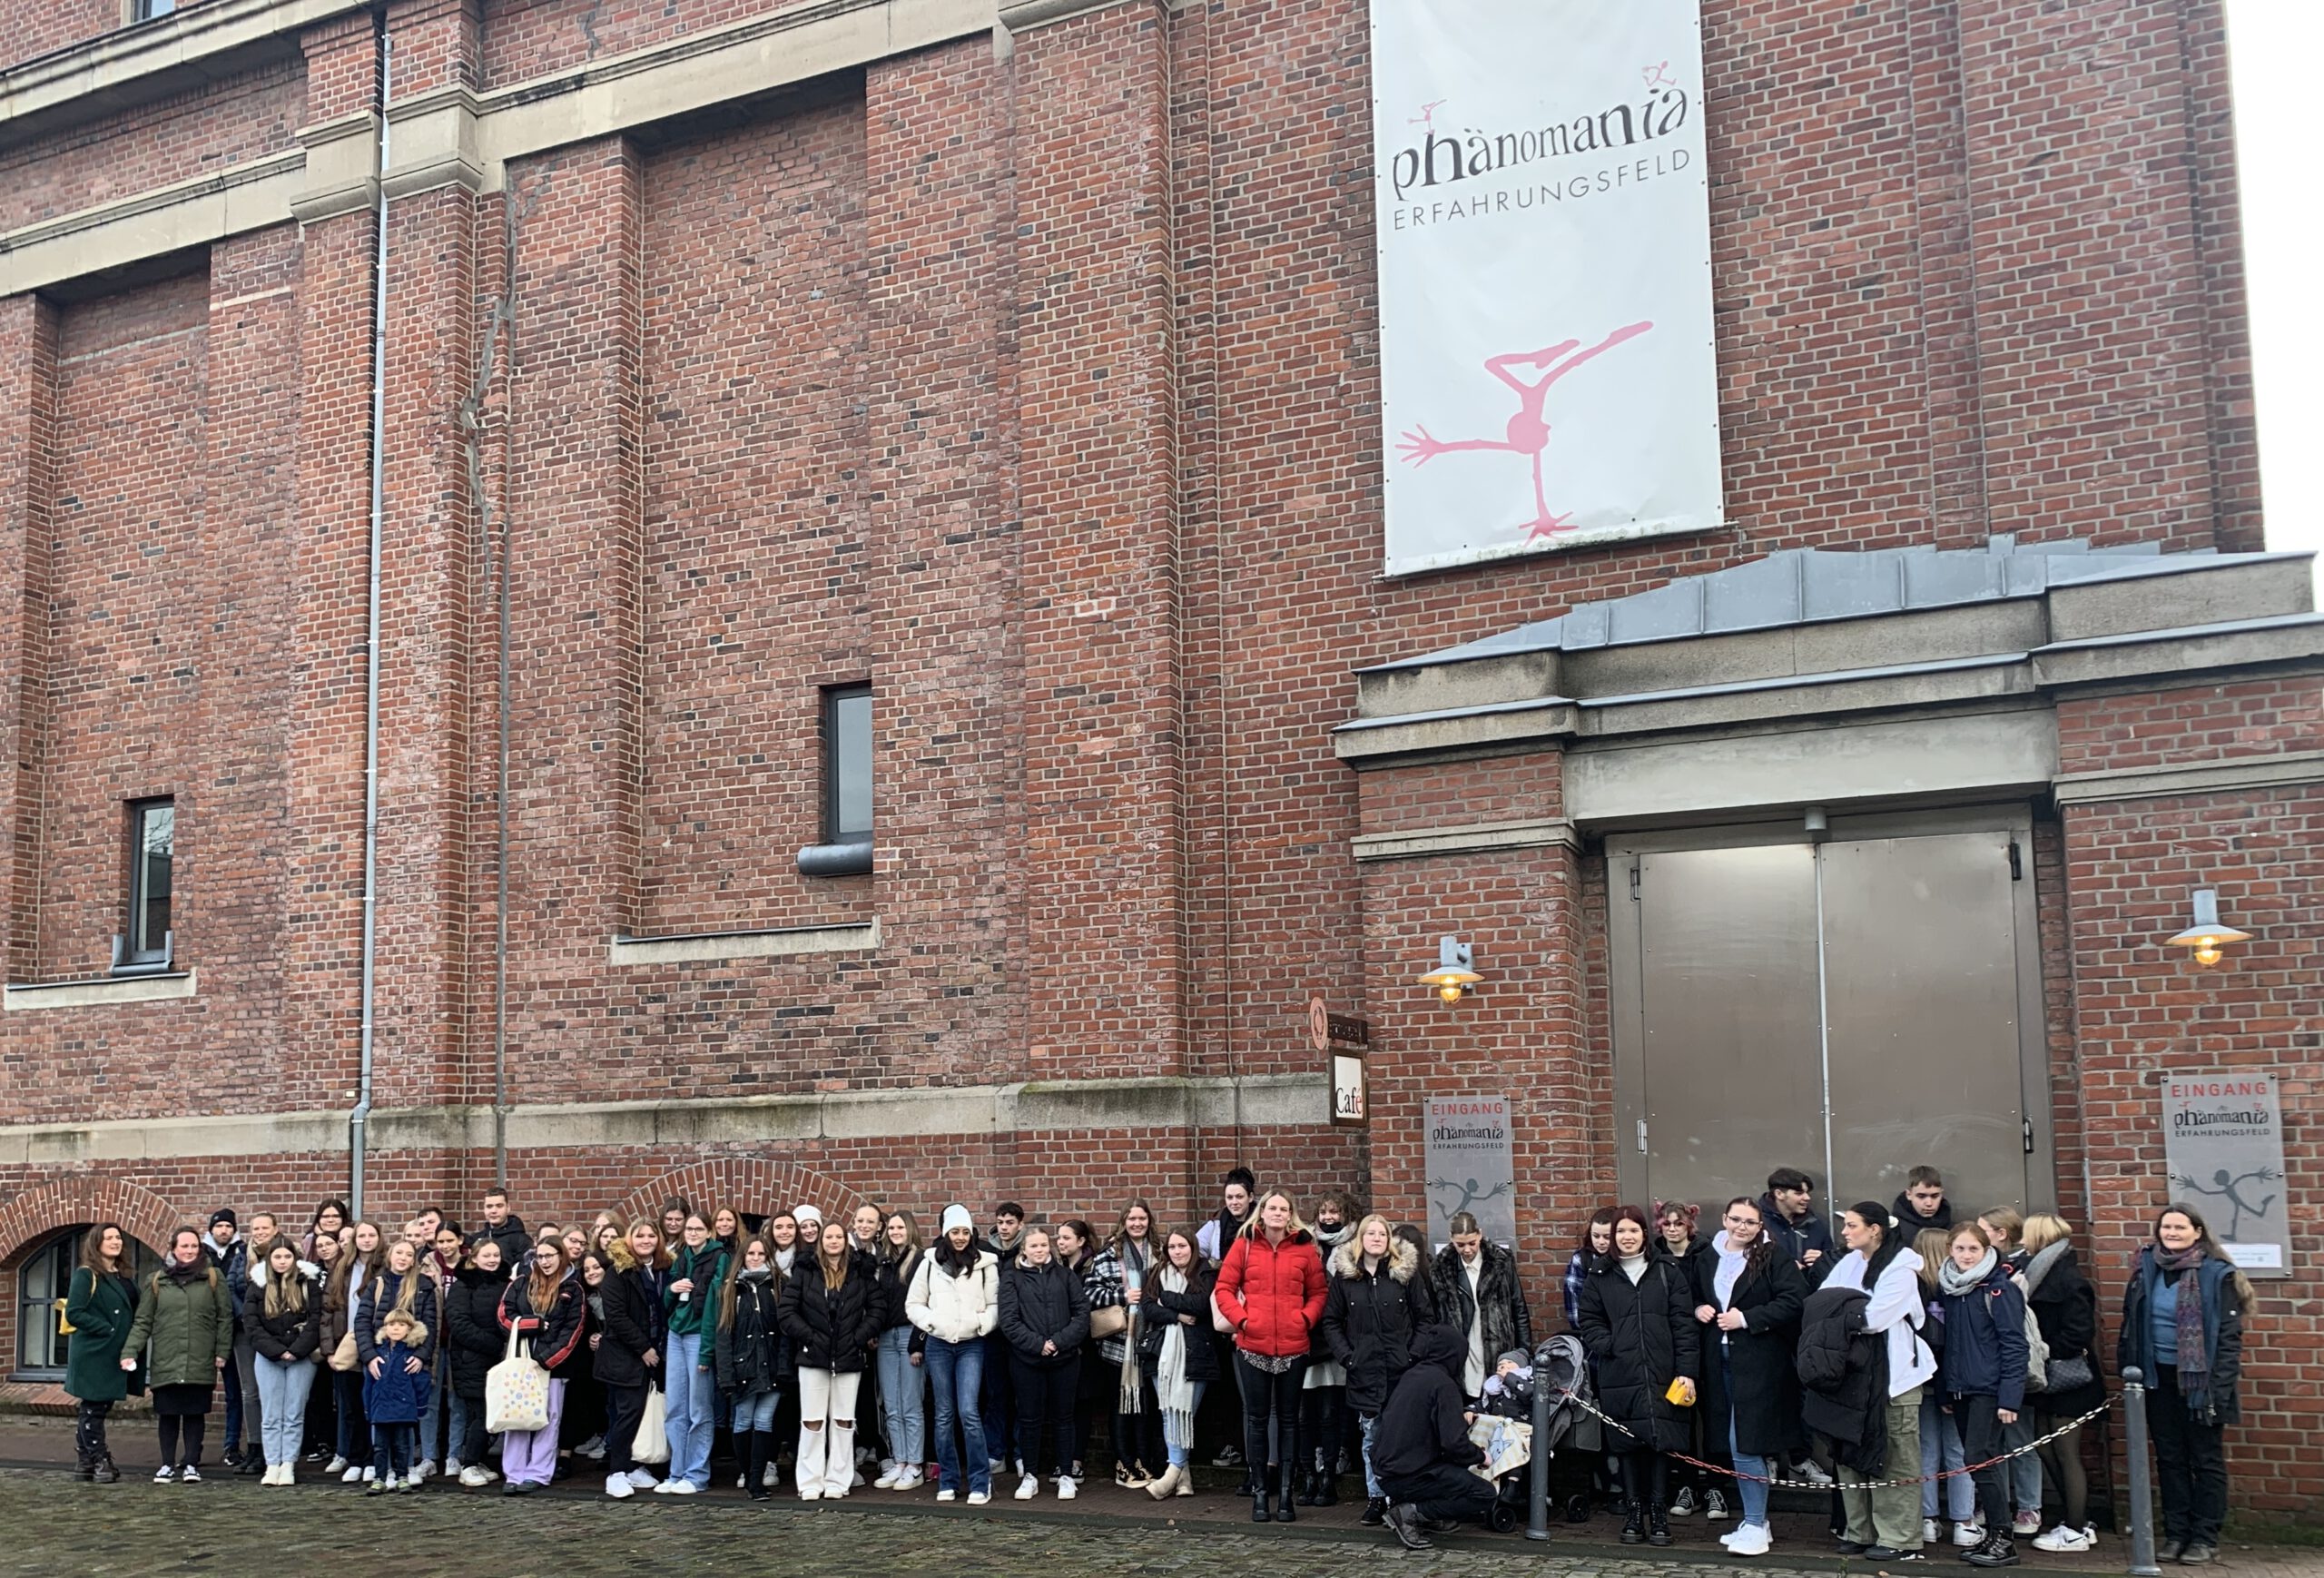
1271 1290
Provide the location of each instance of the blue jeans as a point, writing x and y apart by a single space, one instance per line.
1181 1452
688 1397
391 1449
1370 1480
1941 1449
282 1406
2024 1473
429 1419
956 1375
900 1389
1753 1492
460 1428
755 1412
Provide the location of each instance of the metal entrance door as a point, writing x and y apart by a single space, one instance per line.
1853 1009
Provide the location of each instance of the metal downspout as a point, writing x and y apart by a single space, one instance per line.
359 1120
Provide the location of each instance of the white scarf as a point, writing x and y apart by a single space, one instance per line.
1172 1390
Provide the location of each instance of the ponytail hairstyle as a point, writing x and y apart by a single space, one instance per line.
1876 1216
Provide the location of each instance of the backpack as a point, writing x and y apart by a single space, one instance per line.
2037 1354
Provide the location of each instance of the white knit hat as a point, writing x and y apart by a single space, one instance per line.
958 1216
802 1215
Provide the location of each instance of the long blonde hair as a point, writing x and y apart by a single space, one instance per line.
1251 1229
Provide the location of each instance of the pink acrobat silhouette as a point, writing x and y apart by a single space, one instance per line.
1528 433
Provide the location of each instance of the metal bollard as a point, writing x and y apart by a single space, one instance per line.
2142 1563
1537 1521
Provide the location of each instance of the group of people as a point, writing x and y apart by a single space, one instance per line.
822 1347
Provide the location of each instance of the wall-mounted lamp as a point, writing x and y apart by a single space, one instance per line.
1452 977
2208 938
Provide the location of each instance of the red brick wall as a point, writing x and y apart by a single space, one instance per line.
529 38
2255 717
755 529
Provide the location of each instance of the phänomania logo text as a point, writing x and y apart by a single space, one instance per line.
1442 160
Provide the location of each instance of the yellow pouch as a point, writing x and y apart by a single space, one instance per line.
1680 1395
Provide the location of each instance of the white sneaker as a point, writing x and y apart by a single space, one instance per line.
475 1478
452 1467
888 1465
642 1479
1065 1491
889 1475
1932 1531
772 1478
1813 1473
856 1479
1749 1540
1029 1487
427 1467
2025 1524
743 1480
350 1476
908 1479
372 1474
593 1447
681 1488
667 1488
617 1486
948 1494
1966 1535
491 1477
810 1493
977 1498
336 1465
2063 1539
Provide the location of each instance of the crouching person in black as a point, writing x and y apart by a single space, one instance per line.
1421 1448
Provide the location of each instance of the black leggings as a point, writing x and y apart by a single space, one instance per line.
624 1411
470 1448
1646 1479
1044 1398
89 1430
191 1425
2063 1459
1266 1396
1138 1437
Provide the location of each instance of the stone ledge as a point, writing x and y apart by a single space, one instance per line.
1024 16
144 61
929 1111
1476 839
103 992
153 222
717 947
2224 776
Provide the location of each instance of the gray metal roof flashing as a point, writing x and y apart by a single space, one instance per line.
1813 586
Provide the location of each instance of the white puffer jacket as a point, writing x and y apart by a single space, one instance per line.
957 1308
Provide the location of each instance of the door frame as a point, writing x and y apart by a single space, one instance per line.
1626 982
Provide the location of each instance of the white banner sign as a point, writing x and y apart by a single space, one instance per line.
1548 370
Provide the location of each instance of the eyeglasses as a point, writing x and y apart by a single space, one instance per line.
1735 1221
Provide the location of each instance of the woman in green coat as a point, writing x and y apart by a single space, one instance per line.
188 1316
100 1307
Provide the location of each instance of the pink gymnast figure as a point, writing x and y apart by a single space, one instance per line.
1528 433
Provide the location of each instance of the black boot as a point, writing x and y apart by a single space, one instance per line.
1308 1488
1633 1522
103 1471
1286 1512
1262 1511
1375 1510
754 1449
1405 1521
1327 1490
1996 1551
1657 1526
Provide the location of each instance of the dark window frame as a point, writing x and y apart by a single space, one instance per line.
134 951
845 851
52 1262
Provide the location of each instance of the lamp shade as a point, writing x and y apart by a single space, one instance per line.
2209 936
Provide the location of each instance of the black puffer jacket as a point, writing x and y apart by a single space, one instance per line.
473 1340
1844 1378
1370 1317
552 1327
831 1328
1643 1336
293 1333
747 1351
1043 1304
1506 1322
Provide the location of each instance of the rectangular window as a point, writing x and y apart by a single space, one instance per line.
847 764
846 847
153 848
146 10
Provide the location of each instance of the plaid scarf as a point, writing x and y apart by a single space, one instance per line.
2194 1359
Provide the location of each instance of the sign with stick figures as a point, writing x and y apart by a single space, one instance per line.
1472 1167
1548 372
2223 1144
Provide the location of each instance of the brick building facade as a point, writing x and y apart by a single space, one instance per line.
1021 363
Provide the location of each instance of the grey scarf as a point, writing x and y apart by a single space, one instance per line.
2039 1267
1955 1280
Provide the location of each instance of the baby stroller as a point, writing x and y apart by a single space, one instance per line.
1505 1428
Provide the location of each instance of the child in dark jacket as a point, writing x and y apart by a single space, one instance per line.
394 1400
1982 1373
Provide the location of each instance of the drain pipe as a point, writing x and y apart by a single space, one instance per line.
359 1120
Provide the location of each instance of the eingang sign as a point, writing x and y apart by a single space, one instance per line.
1548 370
